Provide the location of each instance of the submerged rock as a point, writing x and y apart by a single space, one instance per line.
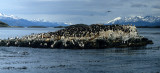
83 37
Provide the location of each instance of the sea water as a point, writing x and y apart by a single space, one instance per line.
111 60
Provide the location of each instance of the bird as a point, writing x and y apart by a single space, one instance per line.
108 11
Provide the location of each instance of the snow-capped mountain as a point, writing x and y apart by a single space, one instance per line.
16 21
137 20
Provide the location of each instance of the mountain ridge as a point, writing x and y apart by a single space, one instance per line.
137 20
12 20
16 21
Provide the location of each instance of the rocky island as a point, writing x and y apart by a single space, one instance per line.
81 36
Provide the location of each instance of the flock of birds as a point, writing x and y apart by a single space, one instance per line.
81 30
78 31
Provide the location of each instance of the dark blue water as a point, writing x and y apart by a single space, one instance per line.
112 60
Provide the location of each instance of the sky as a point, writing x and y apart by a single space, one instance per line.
79 11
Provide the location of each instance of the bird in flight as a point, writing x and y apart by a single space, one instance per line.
108 11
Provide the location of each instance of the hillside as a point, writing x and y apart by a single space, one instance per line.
2 24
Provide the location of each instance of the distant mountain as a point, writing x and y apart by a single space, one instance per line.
15 21
2 24
137 20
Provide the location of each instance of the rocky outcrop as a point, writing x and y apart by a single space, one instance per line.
83 37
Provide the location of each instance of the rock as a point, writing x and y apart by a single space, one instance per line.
83 37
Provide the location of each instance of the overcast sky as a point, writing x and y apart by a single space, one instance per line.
79 11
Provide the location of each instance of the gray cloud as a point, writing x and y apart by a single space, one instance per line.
139 5
156 6
86 11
